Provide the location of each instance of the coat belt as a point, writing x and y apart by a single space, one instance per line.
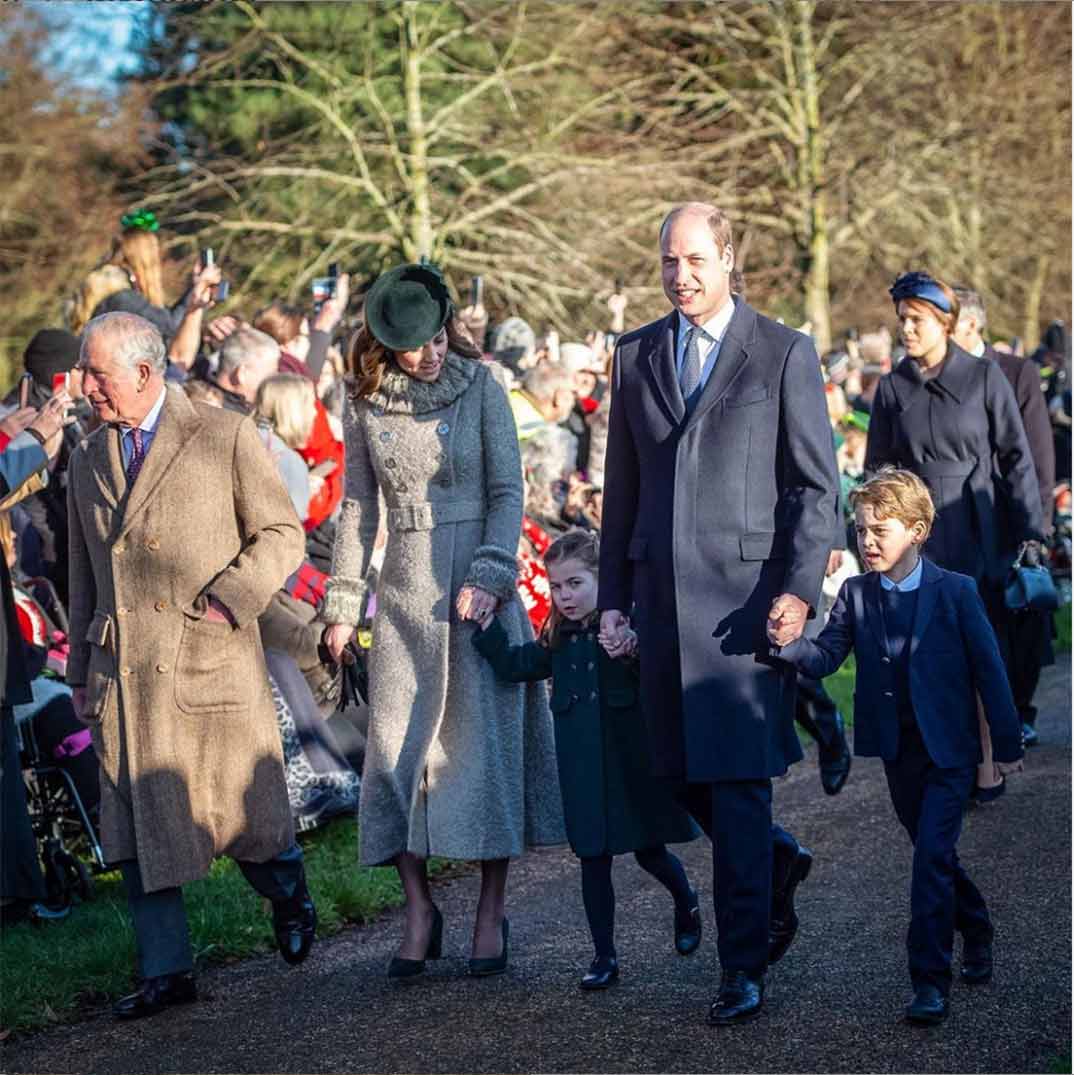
946 469
427 515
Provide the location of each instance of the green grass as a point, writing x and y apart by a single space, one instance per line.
50 973
1061 1063
1062 624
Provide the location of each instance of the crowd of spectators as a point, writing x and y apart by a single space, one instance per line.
283 365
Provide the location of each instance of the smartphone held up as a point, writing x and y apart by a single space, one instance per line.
324 287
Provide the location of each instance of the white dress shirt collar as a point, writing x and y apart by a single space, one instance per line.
908 584
715 326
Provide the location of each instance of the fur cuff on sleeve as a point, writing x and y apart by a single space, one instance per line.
343 602
494 570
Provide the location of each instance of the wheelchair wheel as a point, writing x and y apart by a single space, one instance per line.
65 876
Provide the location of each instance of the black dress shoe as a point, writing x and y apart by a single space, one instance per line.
602 972
835 761
986 796
411 968
157 994
294 922
977 963
738 1001
928 1007
784 923
487 966
688 929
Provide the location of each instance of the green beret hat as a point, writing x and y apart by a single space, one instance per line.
407 306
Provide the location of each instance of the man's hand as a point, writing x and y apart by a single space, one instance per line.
333 309
1005 768
617 304
787 619
614 627
17 421
218 612
78 701
475 604
835 562
205 278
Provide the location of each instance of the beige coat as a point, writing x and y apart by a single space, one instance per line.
179 708
458 764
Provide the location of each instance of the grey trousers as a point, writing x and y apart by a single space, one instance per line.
161 931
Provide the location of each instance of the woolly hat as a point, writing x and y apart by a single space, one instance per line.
577 358
51 351
512 341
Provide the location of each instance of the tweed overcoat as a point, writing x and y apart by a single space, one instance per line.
457 764
179 708
962 434
709 515
612 803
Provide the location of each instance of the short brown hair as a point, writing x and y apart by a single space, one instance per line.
718 221
896 494
283 323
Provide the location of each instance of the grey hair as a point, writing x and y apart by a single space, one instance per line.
549 455
132 339
970 303
244 344
543 381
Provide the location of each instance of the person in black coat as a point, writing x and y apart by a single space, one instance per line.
720 492
612 804
1027 642
953 420
925 654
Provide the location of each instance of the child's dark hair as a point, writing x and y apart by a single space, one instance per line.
577 544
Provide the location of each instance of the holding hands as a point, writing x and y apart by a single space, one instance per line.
477 605
787 619
616 635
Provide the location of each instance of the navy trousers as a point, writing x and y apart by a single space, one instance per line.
929 802
161 931
750 858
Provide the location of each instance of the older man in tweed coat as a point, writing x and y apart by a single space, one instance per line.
180 533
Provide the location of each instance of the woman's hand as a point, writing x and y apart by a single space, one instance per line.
475 604
336 638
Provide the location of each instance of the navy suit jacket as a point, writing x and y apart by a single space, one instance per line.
954 657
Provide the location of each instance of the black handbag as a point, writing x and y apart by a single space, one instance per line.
1029 585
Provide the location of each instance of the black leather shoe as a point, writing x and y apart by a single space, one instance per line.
977 964
487 966
411 968
784 923
928 1007
739 1000
835 761
986 796
602 972
688 930
157 994
294 922
1030 738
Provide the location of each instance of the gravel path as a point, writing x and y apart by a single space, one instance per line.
834 1004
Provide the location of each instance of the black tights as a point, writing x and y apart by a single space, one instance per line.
598 895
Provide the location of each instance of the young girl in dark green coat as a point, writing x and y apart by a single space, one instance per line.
612 803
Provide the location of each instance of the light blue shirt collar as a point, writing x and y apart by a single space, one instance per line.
908 584
149 423
714 327
708 349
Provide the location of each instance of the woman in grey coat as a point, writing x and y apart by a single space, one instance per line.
458 764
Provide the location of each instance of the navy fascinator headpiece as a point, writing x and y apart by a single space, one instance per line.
919 285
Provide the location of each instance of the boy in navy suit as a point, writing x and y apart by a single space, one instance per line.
925 652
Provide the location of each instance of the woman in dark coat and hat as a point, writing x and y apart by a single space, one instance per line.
457 764
953 420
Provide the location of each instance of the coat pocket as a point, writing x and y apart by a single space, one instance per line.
765 545
100 685
212 668
757 394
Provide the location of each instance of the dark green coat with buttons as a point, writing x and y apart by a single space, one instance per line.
612 802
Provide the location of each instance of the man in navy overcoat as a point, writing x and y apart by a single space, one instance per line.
719 497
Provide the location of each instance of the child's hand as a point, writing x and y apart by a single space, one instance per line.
630 638
486 621
1005 768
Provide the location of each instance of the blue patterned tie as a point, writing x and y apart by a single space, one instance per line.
134 464
690 377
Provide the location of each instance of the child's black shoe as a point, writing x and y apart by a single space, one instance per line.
602 972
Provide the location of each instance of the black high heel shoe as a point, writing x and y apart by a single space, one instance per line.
411 968
688 930
486 966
